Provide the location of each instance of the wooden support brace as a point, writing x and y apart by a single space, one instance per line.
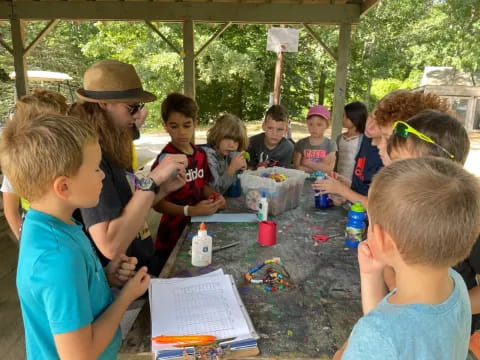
214 36
163 37
40 36
320 41
6 46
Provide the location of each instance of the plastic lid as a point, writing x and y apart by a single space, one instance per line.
264 195
357 207
202 227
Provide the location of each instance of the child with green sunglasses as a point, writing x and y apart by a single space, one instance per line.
429 133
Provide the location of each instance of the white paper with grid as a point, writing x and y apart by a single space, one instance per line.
200 305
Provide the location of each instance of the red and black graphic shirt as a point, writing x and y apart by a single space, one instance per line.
198 175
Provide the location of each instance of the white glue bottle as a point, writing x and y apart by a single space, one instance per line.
202 247
262 214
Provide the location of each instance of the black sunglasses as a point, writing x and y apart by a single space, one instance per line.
133 109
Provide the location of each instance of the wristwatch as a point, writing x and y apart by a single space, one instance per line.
147 184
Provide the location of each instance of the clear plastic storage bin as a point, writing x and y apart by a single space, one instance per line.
281 196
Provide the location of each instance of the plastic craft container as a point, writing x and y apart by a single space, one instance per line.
281 196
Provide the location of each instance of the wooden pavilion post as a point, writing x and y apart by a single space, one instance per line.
189 59
18 41
341 78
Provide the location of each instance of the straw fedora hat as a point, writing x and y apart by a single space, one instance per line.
111 81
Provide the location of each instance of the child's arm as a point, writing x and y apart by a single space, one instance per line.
11 204
91 340
202 208
325 165
475 299
332 186
297 162
373 288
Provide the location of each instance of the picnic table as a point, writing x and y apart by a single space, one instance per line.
309 319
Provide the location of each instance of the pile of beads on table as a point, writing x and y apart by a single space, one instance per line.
274 280
274 176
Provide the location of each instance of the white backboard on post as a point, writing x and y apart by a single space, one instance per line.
282 39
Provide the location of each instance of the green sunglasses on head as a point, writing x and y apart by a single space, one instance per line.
402 129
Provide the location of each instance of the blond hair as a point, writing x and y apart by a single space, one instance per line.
430 207
228 126
40 102
115 142
34 153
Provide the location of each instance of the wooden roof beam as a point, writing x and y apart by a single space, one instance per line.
263 13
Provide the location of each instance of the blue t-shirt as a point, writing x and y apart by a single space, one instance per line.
414 331
61 284
367 164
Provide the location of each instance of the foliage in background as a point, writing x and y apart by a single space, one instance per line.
390 48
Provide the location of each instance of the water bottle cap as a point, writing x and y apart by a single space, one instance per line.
357 207
264 195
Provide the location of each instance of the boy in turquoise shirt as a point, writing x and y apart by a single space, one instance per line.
67 308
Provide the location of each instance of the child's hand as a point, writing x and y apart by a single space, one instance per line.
344 180
120 270
367 262
137 285
170 164
337 200
204 208
329 185
220 202
238 163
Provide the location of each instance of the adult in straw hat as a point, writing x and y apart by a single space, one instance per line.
111 99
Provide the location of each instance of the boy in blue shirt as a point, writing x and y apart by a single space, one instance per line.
67 307
424 218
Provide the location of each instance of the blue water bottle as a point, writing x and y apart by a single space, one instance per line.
322 201
355 229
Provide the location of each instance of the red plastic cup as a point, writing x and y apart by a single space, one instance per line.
267 233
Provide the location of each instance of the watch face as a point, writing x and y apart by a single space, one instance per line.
146 183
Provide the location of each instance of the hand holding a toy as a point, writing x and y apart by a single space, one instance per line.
329 185
170 185
203 208
238 162
170 164
218 200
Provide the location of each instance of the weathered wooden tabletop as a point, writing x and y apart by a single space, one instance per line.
310 318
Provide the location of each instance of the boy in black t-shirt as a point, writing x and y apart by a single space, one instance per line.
271 148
